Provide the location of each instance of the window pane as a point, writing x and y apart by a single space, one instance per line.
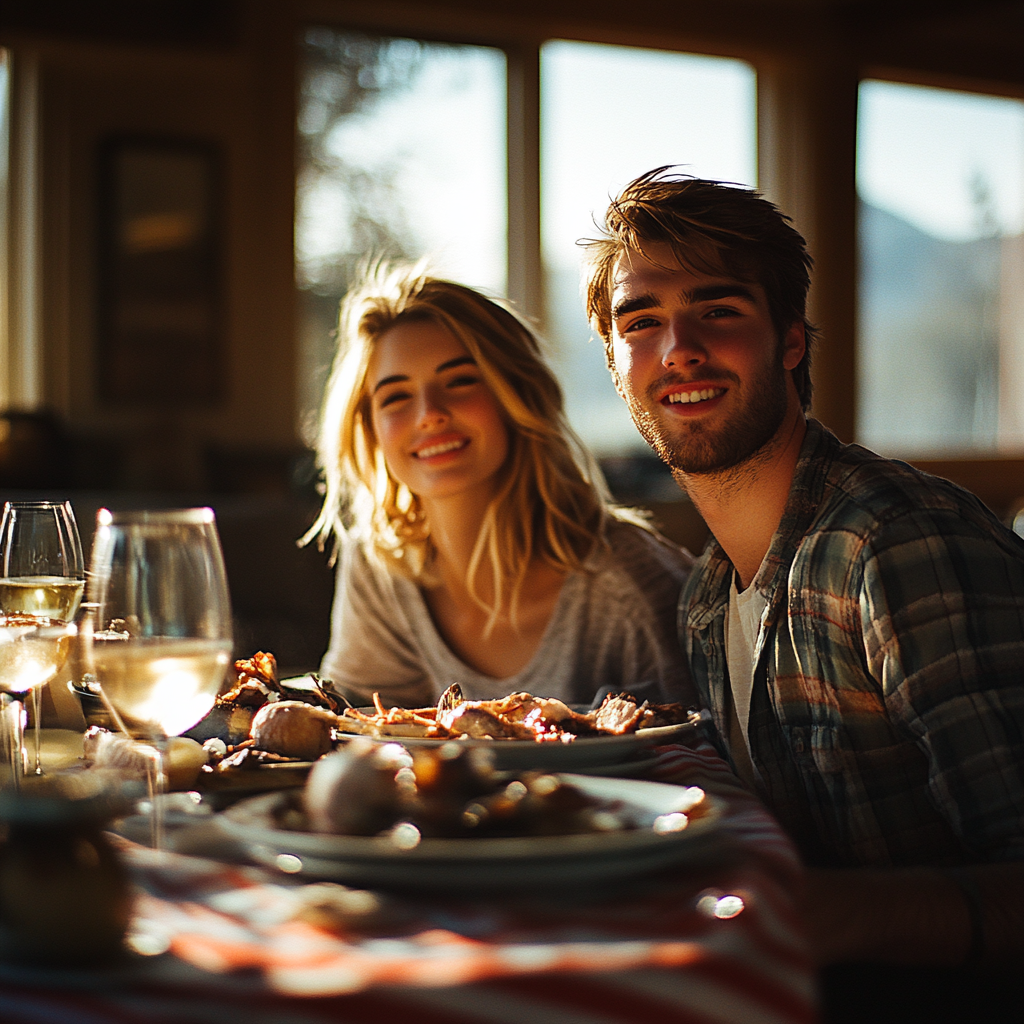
610 113
940 176
5 317
401 154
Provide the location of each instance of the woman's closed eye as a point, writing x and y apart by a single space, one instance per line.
391 398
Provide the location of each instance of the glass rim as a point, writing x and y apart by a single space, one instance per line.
20 504
144 517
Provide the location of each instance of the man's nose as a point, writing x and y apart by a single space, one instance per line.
682 347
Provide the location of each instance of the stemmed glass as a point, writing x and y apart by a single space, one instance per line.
156 634
41 581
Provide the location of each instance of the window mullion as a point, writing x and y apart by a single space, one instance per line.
525 272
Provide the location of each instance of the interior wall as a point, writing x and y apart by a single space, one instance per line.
240 99
231 80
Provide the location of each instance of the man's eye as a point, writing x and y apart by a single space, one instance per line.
721 311
641 324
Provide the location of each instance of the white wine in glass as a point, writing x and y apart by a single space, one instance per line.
41 572
157 637
32 650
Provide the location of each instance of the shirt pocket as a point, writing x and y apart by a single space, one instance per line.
817 748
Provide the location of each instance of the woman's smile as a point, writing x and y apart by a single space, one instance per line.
440 446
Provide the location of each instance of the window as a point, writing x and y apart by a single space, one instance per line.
610 113
940 177
4 228
402 152
402 155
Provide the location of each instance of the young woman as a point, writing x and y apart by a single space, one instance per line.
476 542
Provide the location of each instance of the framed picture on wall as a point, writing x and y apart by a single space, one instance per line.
160 323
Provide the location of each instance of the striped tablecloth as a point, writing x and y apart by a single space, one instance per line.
721 945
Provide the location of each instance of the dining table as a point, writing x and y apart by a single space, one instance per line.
219 935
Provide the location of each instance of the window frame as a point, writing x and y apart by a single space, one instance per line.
806 160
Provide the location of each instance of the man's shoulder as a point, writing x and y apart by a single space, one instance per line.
871 504
862 486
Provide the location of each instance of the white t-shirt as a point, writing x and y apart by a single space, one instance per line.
742 626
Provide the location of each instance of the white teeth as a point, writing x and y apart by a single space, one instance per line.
685 397
438 449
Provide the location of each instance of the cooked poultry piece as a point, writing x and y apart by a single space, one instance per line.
478 723
618 714
257 682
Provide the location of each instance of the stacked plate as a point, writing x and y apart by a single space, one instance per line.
480 863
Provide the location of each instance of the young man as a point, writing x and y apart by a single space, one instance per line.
856 627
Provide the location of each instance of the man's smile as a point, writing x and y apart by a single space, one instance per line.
692 397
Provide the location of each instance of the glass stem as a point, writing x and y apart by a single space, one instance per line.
157 785
37 715
12 729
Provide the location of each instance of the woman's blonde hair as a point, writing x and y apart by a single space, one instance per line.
550 500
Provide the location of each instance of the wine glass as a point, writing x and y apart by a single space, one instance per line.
157 632
41 579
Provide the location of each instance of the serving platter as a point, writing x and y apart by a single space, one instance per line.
583 754
481 863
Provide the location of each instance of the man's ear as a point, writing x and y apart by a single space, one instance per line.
794 345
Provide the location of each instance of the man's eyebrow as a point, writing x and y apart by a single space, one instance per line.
627 306
710 292
706 293
398 378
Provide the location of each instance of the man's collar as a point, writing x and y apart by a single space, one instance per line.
817 455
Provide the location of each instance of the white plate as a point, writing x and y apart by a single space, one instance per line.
461 864
581 754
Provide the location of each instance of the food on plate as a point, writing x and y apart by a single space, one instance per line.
293 729
256 685
451 791
262 721
183 759
519 716
356 791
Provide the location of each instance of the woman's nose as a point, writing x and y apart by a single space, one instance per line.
431 411
682 347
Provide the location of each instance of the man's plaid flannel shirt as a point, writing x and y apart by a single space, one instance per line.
887 718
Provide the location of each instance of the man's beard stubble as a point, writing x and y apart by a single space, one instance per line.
693 448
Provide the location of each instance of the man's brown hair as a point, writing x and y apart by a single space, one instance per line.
711 228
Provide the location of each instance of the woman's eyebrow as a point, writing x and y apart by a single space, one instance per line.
457 361
395 378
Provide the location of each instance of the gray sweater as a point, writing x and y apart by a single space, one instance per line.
614 626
